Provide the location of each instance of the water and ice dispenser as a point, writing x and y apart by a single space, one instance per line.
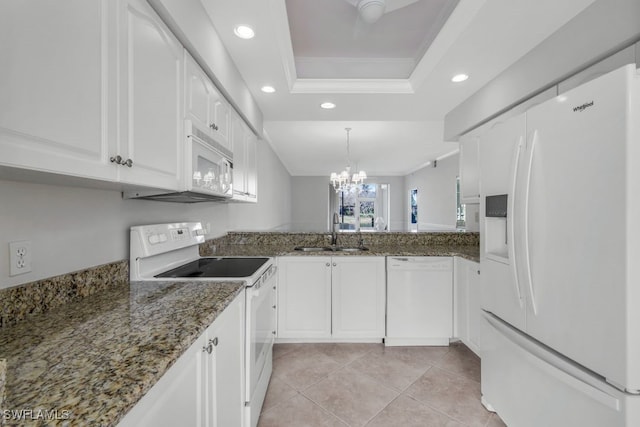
496 241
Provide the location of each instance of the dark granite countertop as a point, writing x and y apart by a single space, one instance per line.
92 360
470 252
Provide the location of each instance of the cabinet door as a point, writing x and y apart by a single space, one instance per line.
461 297
358 297
198 89
239 158
475 312
226 334
54 108
468 313
469 169
252 166
180 397
220 117
151 77
304 297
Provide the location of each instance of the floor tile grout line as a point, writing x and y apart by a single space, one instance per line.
389 387
433 408
456 374
324 409
382 410
280 403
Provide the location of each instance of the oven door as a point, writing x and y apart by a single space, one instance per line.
210 169
261 327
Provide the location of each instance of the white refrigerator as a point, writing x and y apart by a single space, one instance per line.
560 259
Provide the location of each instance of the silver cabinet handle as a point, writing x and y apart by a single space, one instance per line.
208 349
213 126
334 264
328 265
274 307
214 342
120 161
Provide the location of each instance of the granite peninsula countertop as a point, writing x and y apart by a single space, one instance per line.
92 360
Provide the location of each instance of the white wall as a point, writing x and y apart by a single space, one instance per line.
73 228
598 31
436 194
310 203
310 198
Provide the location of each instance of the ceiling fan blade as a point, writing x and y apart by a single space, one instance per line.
360 28
397 4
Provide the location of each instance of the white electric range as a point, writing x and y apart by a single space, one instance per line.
162 252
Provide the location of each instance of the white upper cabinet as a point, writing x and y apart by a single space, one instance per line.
204 105
220 118
469 169
245 161
151 79
101 99
54 84
251 144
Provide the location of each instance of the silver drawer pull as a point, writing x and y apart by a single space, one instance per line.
208 349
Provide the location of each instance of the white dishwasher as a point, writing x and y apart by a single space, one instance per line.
419 301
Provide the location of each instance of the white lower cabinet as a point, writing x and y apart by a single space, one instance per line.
467 312
339 298
205 385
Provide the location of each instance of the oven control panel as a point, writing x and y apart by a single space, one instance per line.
149 240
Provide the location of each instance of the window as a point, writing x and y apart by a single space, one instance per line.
461 209
364 209
413 196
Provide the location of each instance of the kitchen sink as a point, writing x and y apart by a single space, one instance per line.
354 249
330 249
312 248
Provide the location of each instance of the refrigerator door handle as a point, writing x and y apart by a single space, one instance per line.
511 221
556 367
527 255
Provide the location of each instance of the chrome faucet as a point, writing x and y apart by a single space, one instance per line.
334 232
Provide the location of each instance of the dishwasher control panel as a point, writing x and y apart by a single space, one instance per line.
420 263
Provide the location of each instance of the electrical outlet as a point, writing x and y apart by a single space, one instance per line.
19 257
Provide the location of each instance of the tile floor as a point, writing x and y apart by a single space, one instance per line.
369 384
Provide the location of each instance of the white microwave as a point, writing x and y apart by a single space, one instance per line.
207 171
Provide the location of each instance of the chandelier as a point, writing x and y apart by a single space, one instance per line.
344 181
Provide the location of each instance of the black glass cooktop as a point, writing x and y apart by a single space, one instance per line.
217 267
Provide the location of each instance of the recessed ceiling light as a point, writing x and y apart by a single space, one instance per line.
268 89
244 32
327 105
459 78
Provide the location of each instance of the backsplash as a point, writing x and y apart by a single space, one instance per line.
392 238
281 239
18 303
